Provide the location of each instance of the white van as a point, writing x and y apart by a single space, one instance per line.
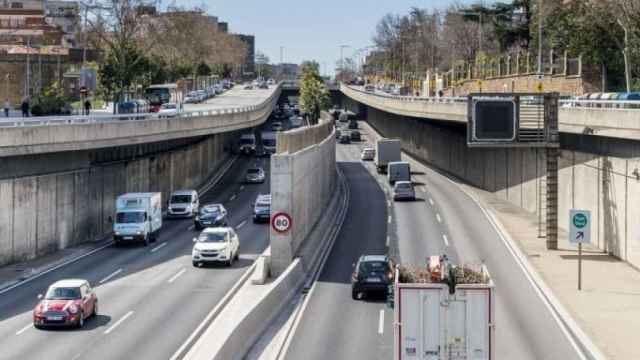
398 171
247 144
183 203
138 217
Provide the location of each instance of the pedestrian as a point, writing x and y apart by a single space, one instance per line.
7 107
440 93
87 107
25 107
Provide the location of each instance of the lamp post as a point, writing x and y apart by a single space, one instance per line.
342 47
540 69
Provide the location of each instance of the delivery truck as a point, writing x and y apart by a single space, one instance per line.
443 312
387 150
138 218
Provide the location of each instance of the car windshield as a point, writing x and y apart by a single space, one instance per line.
212 237
132 217
263 206
181 199
269 142
403 186
253 171
246 141
169 106
210 210
368 267
63 293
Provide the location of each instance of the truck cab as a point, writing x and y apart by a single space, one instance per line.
247 144
183 203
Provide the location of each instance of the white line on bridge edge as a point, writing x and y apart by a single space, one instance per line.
159 247
243 223
106 332
381 322
174 277
446 240
109 277
24 329
431 201
438 218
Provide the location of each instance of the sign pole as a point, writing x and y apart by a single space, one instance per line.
579 266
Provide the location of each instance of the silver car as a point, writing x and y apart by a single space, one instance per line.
403 190
368 154
254 176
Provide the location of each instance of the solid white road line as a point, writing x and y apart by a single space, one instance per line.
191 227
446 240
381 322
159 247
233 197
110 329
174 277
438 218
389 219
109 277
431 201
388 240
24 329
243 223
241 187
388 203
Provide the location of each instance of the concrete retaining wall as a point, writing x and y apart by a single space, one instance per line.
41 214
606 185
302 184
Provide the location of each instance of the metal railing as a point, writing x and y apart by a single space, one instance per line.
567 103
92 119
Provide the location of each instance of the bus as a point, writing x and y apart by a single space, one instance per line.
162 94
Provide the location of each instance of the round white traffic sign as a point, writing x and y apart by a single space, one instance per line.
281 222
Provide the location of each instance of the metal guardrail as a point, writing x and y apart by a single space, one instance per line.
93 119
567 103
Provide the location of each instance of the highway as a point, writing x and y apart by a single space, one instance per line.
150 298
443 220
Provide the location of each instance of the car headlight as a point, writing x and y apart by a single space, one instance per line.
73 309
197 218
139 232
117 232
195 251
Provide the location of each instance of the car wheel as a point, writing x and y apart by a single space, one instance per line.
237 257
355 294
198 227
95 309
81 320
146 240
195 263
37 326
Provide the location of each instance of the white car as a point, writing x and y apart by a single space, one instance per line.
168 110
215 245
183 203
368 154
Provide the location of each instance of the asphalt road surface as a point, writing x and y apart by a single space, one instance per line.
442 220
154 301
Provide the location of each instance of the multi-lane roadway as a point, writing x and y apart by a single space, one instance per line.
151 298
442 220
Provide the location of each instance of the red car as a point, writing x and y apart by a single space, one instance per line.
66 303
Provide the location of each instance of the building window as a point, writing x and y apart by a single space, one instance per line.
16 5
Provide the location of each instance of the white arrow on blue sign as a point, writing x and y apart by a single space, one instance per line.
579 226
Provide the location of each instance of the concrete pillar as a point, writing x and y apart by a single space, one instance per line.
81 207
6 221
282 201
46 215
65 198
25 202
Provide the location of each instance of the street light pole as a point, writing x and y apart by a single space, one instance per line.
540 69
342 47
28 72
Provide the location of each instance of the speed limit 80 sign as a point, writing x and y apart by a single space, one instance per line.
281 222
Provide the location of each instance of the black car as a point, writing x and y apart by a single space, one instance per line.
262 208
345 138
355 135
212 215
372 273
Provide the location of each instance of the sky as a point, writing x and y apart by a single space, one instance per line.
309 29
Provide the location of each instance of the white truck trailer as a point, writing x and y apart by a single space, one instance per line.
443 312
387 150
138 217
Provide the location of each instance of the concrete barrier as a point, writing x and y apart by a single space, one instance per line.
302 184
246 316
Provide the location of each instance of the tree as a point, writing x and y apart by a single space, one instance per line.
314 95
